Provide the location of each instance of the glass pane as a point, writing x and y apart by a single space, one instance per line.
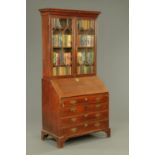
62 46
85 39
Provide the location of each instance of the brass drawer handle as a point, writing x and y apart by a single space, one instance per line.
73 109
74 130
98 99
97 115
85 125
86 115
73 102
73 119
97 124
98 105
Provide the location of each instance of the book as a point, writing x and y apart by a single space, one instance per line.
83 69
86 24
61 71
62 40
90 57
56 23
61 58
86 40
67 58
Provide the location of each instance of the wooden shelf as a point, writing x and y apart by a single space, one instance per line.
85 46
62 65
62 47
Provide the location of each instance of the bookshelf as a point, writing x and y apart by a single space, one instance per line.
71 46
75 101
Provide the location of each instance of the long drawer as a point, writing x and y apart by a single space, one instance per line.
81 109
77 119
85 127
99 98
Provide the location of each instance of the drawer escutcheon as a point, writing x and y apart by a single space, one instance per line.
98 105
73 101
73 109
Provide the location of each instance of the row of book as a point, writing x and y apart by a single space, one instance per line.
85 57
60 71
60 40
86 40
85 69
86 24
61 23
61 58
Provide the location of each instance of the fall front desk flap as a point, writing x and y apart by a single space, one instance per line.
67 87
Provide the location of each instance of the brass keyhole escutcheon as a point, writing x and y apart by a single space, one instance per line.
98 105
77 79
73 109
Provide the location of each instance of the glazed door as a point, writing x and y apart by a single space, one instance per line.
62 47
85 47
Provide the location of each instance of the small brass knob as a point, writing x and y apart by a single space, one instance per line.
85 125
86 99
74 129
97 115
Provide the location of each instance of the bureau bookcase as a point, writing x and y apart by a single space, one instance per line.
75 101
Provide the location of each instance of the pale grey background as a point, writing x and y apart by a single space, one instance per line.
112 66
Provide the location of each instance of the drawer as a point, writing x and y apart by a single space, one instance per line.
96 116
84 99
74 120
99 98
96 107
74 101
79 109
71 121
73 110
85 127
95 125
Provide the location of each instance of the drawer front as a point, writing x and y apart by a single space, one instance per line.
85 127
73 110
71 121
100 98
96 116
96 107
75 120
81 109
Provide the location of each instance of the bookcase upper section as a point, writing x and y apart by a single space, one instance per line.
69 42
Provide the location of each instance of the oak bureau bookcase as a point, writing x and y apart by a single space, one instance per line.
75 101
